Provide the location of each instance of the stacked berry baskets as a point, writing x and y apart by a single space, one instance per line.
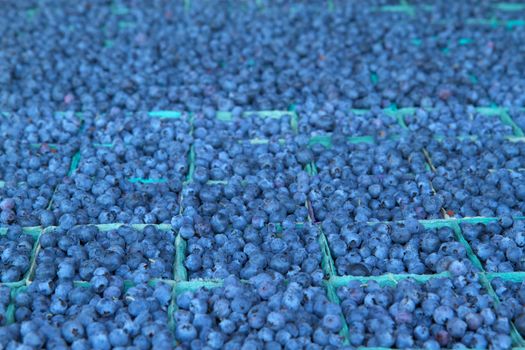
263 196
266 237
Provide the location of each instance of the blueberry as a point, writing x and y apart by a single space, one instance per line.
404 340
14 254
474 321
457 268
99 341
185 332
227 326
332 322
456 327
276 320
421 333
106 307
118 337
431 345
72 331
193 262
502 341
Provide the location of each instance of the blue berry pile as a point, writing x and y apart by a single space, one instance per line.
499 245
457 121
511 294
78 316
370 182
479 178
15 254
266 314
345 121
86 253
260 174
442 312
369 250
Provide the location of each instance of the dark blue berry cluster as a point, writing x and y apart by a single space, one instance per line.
369 250
127 173
457 121
512 297
16 247
28 176
266 313
211 125
462 155
344 121
82 199
499 245
370 182
227 159
77 316
213 208
138 145
291 252
274 150
479 178
40 125
95 289
90 254
441 313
